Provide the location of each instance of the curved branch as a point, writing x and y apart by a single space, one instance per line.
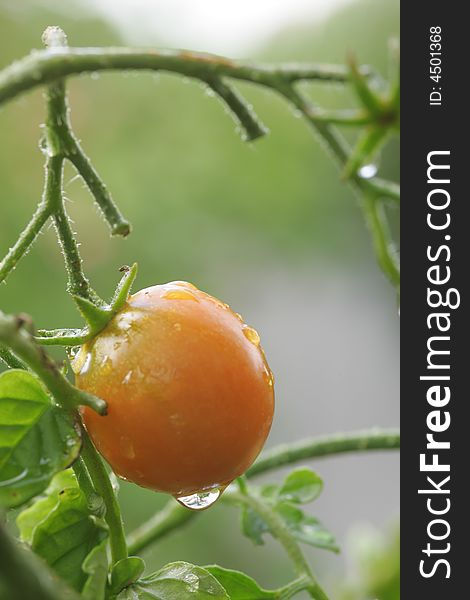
320 447
46 66
25 240
246 116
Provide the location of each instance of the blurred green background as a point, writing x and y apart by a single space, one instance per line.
269 228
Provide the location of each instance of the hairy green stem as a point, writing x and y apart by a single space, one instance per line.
47 66
24 241
77 284
281 532
364 188
173 516
62 337
244 112
103 487
83 477
14 335
294 587
118 224
10 359
321 447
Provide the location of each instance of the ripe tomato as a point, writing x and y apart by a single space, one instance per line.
190 394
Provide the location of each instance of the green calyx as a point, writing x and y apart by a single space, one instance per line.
96 313
96 316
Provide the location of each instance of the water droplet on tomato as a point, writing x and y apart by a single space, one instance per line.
86 364
127 447
268 377
200 500
251 335
179 295
127 378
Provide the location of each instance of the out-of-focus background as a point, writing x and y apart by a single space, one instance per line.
269 228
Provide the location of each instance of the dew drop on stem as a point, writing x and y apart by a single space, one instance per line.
368 171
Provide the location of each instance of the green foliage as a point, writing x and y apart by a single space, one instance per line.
62 530
125 572
95 567
176 581
240 586
300 487
37 439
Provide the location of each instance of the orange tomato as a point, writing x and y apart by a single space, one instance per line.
190 394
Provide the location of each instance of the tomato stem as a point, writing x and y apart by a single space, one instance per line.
14 334
173 516
104 488
51 66
281 532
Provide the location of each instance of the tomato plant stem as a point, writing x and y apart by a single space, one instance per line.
293 588
103 488
25 240
14 335
317 447
281 532
51 66
173 516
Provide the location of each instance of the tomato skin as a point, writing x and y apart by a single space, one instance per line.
190 395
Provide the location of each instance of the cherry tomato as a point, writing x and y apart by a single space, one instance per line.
190 394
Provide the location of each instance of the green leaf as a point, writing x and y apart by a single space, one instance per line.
305 528
95 566
238 585
61 529
37 439
125 572
30 517
301 486
176 581
253 525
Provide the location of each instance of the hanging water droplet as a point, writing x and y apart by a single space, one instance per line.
251 335
200 500
368 171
